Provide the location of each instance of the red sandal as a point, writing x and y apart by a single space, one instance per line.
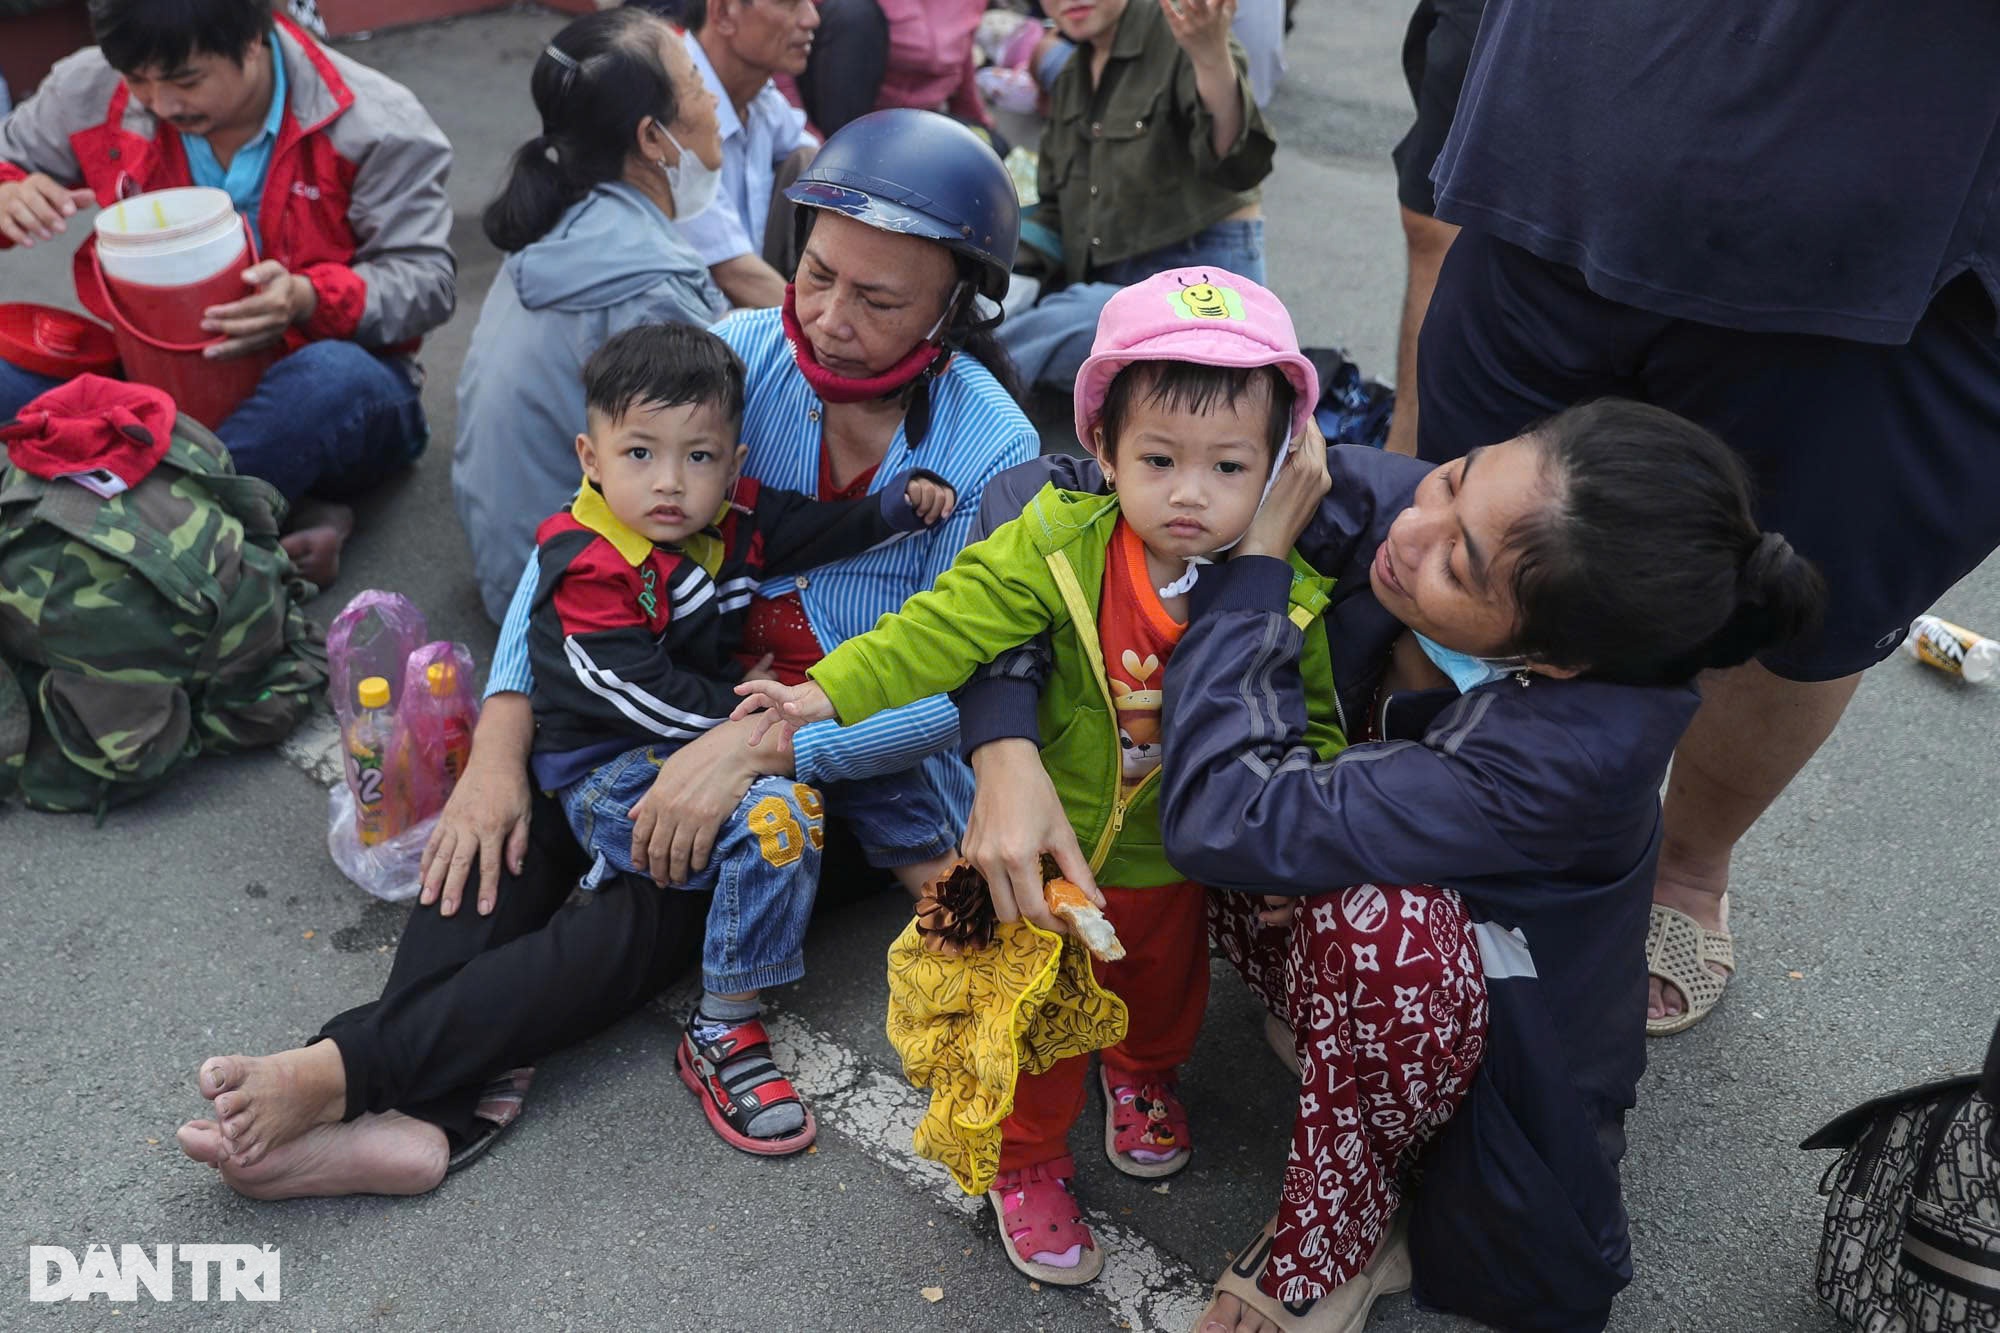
1039 1216
1145 1125
730 1106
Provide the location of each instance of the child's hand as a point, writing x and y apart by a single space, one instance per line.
772 702
1201 26
932 500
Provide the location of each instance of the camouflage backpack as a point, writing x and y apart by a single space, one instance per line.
139 630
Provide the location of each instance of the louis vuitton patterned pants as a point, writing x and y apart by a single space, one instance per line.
1385 994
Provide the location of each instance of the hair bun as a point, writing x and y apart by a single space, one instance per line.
1780 597
1767 562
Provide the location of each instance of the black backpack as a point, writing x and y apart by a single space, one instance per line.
1912 1240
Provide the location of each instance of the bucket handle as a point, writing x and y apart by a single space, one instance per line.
123 321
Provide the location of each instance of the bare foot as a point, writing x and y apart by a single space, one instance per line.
201 1140
263 1102
315 533
315 553
1226 1314
387 1153
1705 897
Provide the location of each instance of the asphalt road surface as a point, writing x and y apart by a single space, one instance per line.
210 919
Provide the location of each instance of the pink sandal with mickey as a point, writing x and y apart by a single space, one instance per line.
1145 1125
1041 1225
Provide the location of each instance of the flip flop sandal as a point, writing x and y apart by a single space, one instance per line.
1145 1115
731 1105
475 1147
1036 1207
1679 950
1279 1037
1342 1310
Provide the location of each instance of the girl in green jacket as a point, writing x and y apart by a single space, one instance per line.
1194 389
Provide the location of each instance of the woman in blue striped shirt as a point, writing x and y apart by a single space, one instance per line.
877 362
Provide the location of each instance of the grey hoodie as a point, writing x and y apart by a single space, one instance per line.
614 261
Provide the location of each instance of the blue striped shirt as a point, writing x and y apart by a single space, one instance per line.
976 432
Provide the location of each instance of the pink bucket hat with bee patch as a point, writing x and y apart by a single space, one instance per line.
1205 315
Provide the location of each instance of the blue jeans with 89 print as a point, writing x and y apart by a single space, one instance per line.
764 867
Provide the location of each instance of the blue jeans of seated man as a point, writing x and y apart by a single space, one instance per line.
1051 340
764 867
332 420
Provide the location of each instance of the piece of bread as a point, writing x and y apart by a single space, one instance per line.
1068 902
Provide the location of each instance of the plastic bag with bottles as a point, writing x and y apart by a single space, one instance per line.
407 709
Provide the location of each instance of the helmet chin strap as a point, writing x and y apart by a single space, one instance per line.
1185 583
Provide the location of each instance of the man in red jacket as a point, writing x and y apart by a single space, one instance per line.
340 173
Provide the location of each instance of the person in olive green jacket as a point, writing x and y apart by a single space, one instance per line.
1152 158
1191 395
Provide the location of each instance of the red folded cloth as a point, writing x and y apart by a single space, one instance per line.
92 425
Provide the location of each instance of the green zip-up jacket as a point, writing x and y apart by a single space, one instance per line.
1045 571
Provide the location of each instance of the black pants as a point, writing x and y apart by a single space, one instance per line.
850 53
472 996
1880 463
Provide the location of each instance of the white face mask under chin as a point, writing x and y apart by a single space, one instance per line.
694 184
1187 579
1468 672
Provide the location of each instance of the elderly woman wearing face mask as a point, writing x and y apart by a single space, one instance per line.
590 218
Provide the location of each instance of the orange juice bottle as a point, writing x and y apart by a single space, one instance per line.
370 740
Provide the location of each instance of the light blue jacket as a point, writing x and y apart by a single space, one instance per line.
614 261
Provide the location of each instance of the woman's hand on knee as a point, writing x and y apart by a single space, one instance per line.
485 820
675 823
1016 819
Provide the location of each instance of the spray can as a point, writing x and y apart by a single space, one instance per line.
1954 650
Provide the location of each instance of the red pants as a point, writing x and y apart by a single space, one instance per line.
1384 990
1163 979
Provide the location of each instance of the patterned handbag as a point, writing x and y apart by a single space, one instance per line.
1912 1241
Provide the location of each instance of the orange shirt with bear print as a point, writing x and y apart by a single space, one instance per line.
1137 636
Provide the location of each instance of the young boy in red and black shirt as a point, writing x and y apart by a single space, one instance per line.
633 639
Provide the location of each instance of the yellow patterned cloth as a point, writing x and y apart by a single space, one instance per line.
967 1028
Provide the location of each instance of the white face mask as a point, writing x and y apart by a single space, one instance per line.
693 182
1194 562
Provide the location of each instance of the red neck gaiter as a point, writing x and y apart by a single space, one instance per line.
836 388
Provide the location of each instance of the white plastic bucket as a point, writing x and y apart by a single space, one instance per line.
158 262
170 238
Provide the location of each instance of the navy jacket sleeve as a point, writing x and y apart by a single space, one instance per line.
1370 487
801 532
1246 806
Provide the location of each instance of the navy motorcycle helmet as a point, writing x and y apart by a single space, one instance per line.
922 174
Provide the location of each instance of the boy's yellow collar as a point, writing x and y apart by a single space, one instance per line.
590 510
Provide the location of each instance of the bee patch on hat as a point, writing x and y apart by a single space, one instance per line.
1205 300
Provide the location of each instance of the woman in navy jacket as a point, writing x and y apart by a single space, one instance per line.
1571 584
